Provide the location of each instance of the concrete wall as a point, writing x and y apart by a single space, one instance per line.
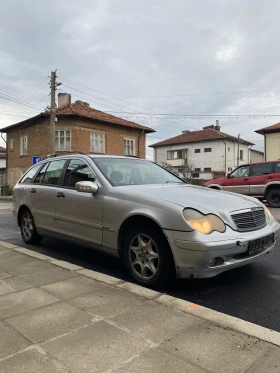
214 159
256 157
272 147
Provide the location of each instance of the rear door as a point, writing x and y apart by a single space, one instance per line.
42 194
79 215
238 182
260 175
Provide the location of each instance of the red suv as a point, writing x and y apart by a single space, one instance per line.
260 180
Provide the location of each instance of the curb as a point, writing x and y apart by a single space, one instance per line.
221 319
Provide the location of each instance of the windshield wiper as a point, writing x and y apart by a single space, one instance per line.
176 182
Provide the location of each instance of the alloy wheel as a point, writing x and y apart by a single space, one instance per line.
27 226
144 256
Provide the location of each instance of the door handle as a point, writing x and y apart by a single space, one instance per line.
270 177
246 179
32 190
60 195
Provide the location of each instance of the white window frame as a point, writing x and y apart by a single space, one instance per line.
12 144
98 149
24 145
58 148
127 150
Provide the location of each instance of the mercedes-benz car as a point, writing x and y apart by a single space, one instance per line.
134 209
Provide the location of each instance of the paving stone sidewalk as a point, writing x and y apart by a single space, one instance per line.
59 318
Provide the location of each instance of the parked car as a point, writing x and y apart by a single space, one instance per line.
151 219
260 180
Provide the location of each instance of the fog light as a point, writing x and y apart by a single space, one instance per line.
216 262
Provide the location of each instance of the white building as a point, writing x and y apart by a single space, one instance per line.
256 156
209 153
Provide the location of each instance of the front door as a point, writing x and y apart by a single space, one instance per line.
238 181
260 175
79 215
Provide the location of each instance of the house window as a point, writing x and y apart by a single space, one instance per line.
207 169
207 150
12 144
129 147
197 150
97 143
23 145
177 154
228 149
241 155
197 169
62 140
229 169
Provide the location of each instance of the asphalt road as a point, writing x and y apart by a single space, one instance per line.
251 293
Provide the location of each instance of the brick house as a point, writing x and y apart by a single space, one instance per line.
79 128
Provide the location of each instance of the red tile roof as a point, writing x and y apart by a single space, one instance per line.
198 136
81 110
273 128
2 149
88 112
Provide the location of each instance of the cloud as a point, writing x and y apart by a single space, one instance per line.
143 48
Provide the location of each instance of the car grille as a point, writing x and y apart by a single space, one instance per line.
249 220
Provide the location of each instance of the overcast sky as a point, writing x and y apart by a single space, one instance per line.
134 49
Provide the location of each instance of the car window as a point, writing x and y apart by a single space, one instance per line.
122 171
53 172
40 176
77 170
261 169
242 171
277 167
27 179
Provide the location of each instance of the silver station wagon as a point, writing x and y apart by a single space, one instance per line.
134 209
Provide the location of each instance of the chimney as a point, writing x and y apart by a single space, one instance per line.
212 127
64 99
186 131
217 127
82 103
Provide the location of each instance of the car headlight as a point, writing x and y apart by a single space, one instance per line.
204 224
269 216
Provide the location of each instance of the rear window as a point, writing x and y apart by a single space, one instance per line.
277 167
261 169
28 177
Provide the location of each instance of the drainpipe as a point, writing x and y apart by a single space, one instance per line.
225 156
6 171
249 150
139 143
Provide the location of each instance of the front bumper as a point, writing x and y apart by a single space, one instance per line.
193 251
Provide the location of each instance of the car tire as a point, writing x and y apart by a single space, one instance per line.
150 263
28 229
273 198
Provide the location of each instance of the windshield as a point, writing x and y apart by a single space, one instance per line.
122 171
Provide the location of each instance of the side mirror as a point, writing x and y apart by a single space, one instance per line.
228 176
87 187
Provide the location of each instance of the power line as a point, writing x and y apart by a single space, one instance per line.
204 94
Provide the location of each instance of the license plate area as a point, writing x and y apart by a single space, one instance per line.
260 244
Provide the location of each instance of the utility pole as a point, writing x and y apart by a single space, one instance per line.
238 156
52 113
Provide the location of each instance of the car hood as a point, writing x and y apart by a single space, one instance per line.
200 198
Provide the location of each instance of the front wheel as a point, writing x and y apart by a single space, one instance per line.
273 198
28 230
147 256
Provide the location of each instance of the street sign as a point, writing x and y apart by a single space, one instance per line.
36 159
